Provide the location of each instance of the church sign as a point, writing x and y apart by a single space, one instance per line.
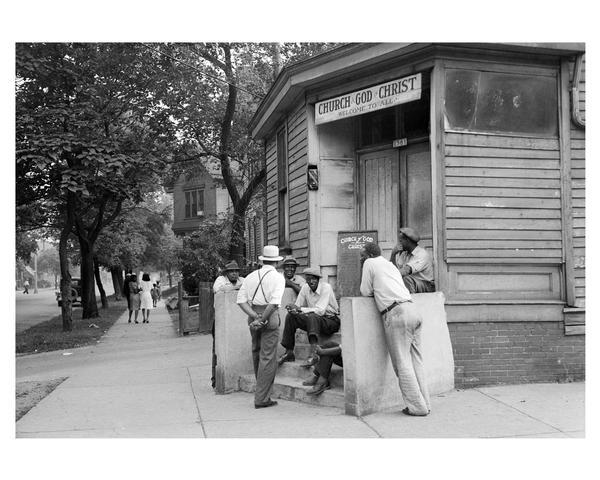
381 96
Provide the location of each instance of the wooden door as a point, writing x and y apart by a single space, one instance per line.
415 181
379 195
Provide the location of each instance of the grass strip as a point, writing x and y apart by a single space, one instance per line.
29 394
48 336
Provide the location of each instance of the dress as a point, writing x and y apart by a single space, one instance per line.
146 294
134 296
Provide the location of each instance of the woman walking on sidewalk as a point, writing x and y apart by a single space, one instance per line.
146 297
134 298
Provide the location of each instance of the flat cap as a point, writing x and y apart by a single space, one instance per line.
233 265
289 260
314 271
410 233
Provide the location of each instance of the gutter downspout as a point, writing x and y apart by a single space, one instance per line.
575 113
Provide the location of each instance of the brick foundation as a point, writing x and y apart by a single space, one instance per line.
495 353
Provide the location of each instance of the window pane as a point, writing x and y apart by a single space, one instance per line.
187 205
194 204
201 200
499 102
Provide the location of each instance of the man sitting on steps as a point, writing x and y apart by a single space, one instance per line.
315 311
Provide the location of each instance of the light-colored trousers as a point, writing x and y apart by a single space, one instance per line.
402 326
264 356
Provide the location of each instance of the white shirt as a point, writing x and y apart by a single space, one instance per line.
419 262
322 301
223 284
273 285
381 279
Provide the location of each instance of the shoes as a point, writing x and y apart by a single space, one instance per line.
311 381
310 361
137 321
319 388
129 321
270 403
405 411
286 357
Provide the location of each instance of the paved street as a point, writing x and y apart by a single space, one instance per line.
35 307
145 381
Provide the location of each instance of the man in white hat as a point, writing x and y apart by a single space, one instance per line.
401 325
259 297
315 311
414 262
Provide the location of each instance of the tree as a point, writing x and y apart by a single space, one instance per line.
213 107
49 261
90 135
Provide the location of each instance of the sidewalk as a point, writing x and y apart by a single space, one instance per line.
144 381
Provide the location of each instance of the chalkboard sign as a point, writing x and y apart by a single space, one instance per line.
349 245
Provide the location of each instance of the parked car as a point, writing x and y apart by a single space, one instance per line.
75 292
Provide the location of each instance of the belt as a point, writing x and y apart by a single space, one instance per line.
393 305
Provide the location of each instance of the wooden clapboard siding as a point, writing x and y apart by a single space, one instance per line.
503 200
297 154
271 208
578 194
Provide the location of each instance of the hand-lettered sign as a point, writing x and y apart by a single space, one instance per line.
349 246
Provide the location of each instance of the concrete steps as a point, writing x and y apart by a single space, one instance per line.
290 375
291 388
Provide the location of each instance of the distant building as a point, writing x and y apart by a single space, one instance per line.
200 196
197 197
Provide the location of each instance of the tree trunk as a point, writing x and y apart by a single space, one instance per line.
88 287
170 276
66 308
103 298
237 245
115 273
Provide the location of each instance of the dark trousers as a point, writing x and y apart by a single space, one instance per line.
311 323
264 357
323 368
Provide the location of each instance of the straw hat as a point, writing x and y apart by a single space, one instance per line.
270 254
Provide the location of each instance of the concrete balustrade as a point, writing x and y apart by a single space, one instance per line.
232 339
370 384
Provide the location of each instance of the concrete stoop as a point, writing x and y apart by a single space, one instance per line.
290 375
291 388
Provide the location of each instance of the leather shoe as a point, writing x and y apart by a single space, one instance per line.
270 403
311 381
286 357
310 361
319 388
405 411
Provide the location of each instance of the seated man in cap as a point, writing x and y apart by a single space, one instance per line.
315 311
229 279
414 262
292 280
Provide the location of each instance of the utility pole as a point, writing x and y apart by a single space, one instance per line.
35 276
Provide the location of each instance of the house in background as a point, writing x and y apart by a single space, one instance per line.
202 195
197 197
